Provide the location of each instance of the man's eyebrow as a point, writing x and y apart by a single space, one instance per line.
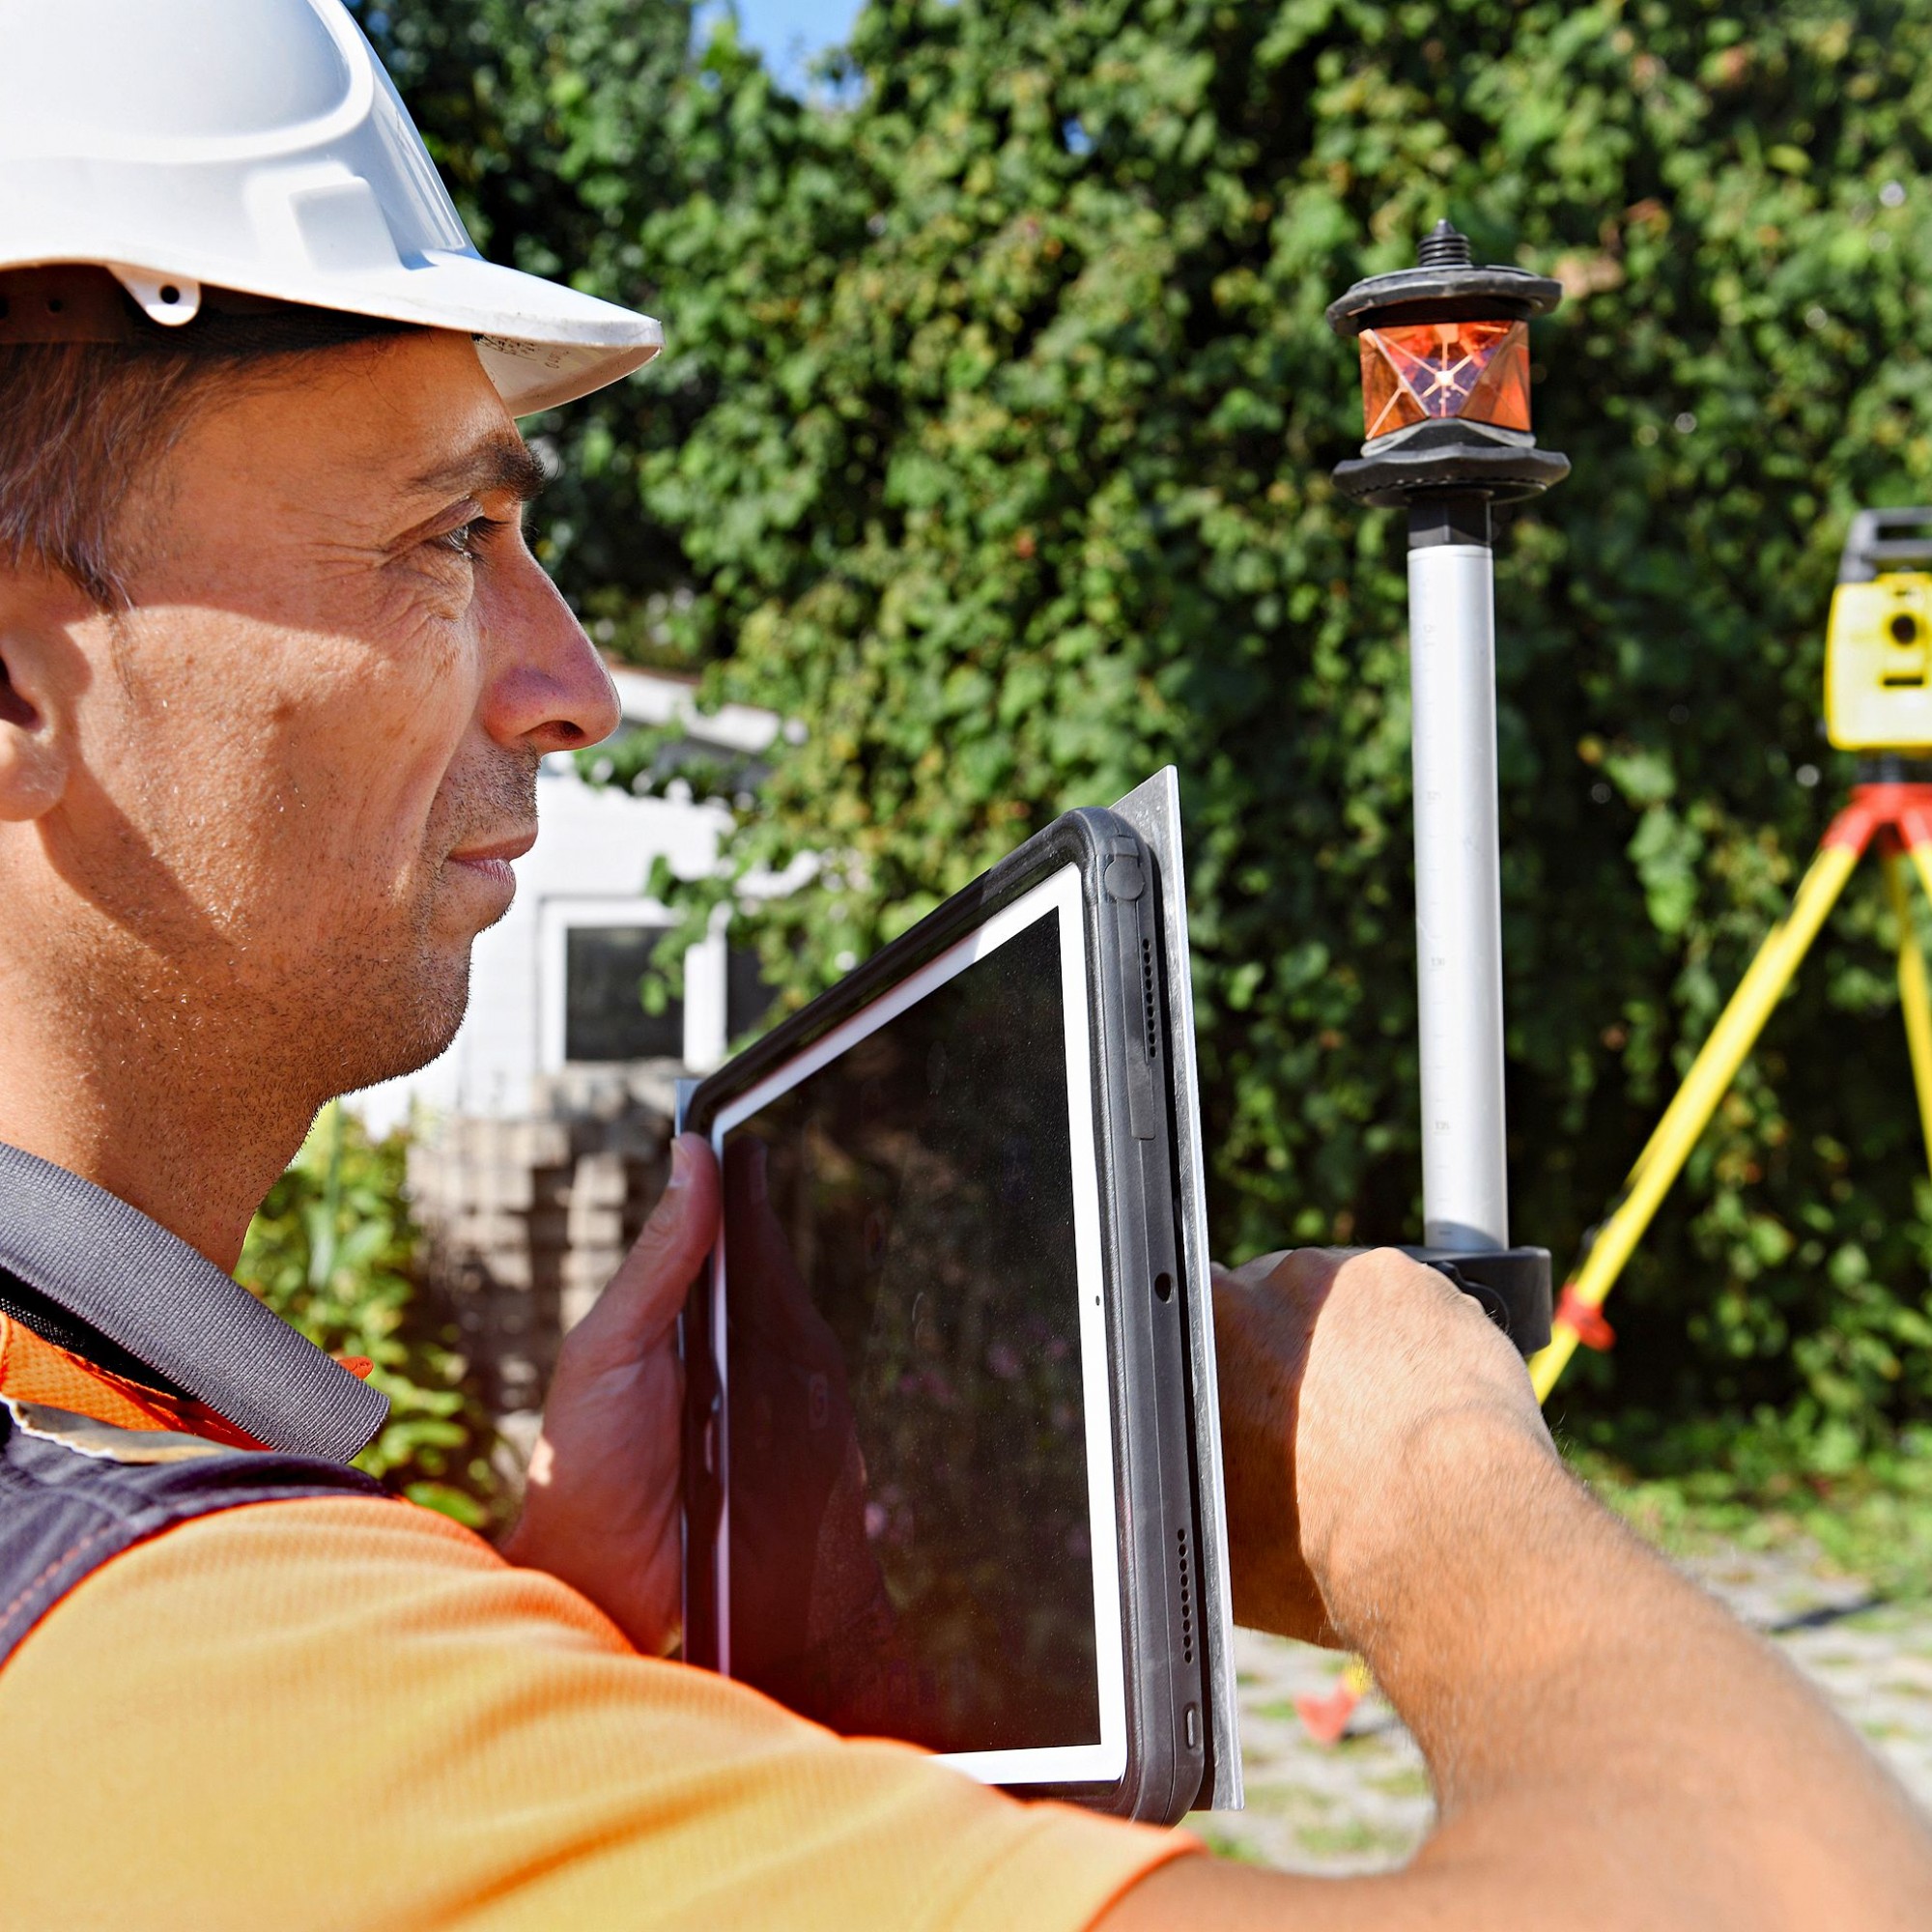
500 462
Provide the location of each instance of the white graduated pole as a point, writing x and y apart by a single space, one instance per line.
1459 959
1445 389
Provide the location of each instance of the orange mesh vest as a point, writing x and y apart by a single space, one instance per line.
91 1463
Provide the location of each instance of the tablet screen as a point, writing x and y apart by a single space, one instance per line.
918 1446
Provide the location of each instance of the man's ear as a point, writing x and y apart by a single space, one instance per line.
39 662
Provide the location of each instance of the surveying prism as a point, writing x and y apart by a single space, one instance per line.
1878 700
1445 402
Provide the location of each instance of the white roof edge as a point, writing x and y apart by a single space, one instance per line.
649 698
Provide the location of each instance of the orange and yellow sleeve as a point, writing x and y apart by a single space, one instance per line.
345 1714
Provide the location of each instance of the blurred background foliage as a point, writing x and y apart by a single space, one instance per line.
992 444
333 1251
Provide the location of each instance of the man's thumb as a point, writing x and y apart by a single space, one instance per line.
649 1287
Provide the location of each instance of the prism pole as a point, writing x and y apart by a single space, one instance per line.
1459 966
1445 391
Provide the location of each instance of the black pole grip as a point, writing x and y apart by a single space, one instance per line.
1510 1285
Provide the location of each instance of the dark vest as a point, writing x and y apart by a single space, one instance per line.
188 1355
76 1492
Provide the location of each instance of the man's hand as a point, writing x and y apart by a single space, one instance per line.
601 1509
1334 1368
1609 1747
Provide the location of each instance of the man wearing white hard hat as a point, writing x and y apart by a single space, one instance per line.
277 671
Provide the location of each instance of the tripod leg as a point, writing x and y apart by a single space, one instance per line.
1696 1099
1915 998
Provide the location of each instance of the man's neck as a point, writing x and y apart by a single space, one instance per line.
199 1169
206 1203
151 1085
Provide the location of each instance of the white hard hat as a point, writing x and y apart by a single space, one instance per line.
257 145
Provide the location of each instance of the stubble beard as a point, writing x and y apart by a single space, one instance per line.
411 988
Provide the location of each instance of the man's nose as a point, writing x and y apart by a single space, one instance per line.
548 690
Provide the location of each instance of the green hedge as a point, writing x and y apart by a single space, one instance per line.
993 445
334 1252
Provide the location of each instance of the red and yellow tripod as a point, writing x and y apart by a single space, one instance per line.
1897 819
1878 700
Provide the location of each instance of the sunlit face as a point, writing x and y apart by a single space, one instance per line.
300 764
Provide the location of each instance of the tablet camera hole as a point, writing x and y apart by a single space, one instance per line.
1163 1286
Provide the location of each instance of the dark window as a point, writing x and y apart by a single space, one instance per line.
604 1016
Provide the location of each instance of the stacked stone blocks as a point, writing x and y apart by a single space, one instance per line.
525 1220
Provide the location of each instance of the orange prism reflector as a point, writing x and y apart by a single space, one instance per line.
1474 371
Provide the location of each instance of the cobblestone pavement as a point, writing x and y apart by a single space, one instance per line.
1364 1804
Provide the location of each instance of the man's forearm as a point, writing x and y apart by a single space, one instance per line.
1608 1746
1573 1693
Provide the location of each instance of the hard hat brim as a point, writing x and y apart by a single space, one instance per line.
541 344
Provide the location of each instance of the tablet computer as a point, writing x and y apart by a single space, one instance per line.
945 1474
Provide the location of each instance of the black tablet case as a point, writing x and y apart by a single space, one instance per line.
1182 1744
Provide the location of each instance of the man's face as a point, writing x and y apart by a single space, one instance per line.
306 756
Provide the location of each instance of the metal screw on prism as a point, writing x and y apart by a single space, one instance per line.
1445 397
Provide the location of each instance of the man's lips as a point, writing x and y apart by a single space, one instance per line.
493 861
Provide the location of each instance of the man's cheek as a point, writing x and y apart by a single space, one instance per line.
368 779
416 635
329 856
410 736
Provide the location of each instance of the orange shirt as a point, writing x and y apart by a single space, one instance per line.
350 1714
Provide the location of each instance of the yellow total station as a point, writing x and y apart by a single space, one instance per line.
1878 646
1878 700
